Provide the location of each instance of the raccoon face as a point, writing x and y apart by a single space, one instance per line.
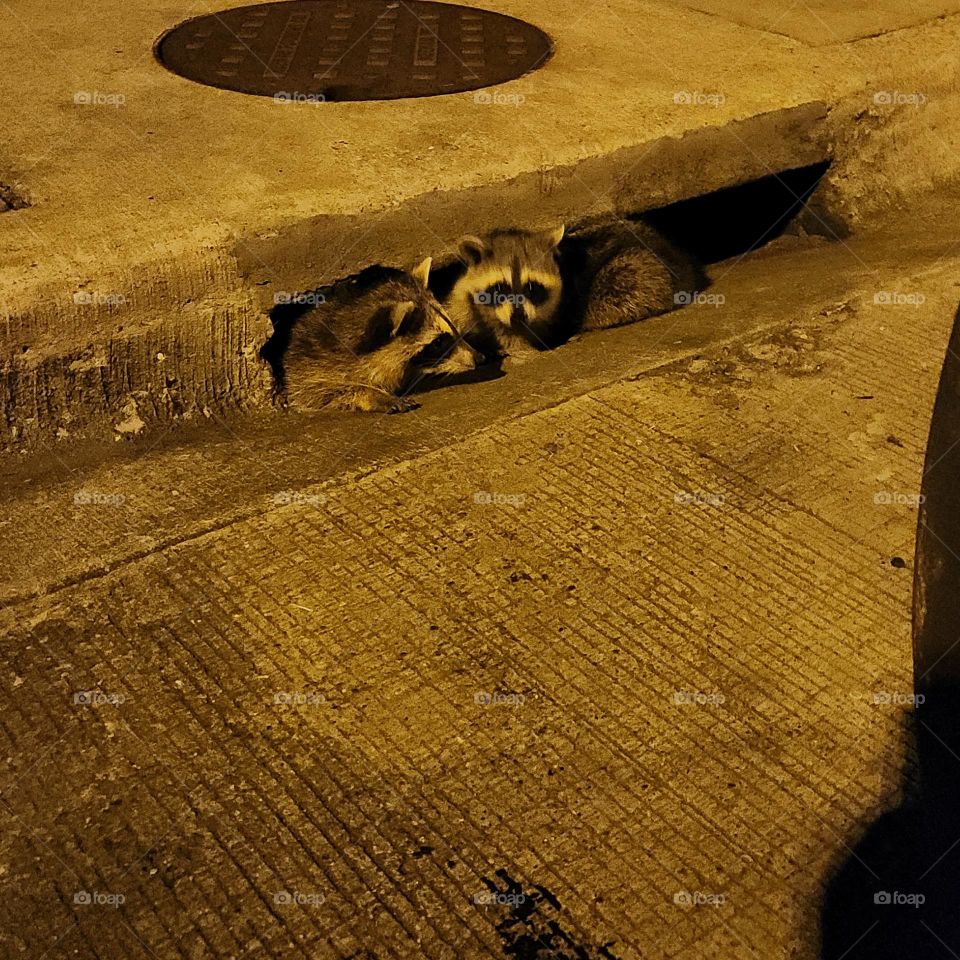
513 279
412 332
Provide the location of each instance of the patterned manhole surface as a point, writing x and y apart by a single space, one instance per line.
317 50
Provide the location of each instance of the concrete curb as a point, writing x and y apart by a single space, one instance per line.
179 331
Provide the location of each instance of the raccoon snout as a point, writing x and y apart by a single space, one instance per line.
463 358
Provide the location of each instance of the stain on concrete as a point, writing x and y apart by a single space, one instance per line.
10 199
531 929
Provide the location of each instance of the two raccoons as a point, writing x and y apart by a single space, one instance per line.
517 289
374 336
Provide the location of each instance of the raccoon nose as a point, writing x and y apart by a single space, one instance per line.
518 316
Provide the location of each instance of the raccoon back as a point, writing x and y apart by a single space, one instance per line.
620 271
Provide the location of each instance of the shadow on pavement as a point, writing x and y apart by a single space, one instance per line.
897 894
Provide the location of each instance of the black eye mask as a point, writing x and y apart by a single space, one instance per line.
435 351
535 293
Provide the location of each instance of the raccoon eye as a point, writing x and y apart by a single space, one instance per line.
536 293
435 351
494 296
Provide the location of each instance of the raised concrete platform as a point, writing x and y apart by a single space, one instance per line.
165 215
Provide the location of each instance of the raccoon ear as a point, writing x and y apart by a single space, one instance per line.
399 314
421 272
555 236
472 249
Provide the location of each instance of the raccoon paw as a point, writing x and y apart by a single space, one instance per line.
402 405
370 400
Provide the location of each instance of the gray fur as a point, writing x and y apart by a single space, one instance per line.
367 342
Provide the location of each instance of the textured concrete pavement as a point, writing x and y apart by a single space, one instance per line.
642 649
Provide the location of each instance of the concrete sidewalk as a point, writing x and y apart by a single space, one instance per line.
639 641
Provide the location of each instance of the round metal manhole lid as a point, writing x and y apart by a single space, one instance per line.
316 50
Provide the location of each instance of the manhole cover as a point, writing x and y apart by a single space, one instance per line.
315 50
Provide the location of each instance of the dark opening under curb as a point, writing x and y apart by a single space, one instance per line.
736 220
312 51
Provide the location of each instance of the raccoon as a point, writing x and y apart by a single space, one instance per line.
523 289
366 342
506 297
619 271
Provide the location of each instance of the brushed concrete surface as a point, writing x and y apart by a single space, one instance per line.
641 646
822 22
